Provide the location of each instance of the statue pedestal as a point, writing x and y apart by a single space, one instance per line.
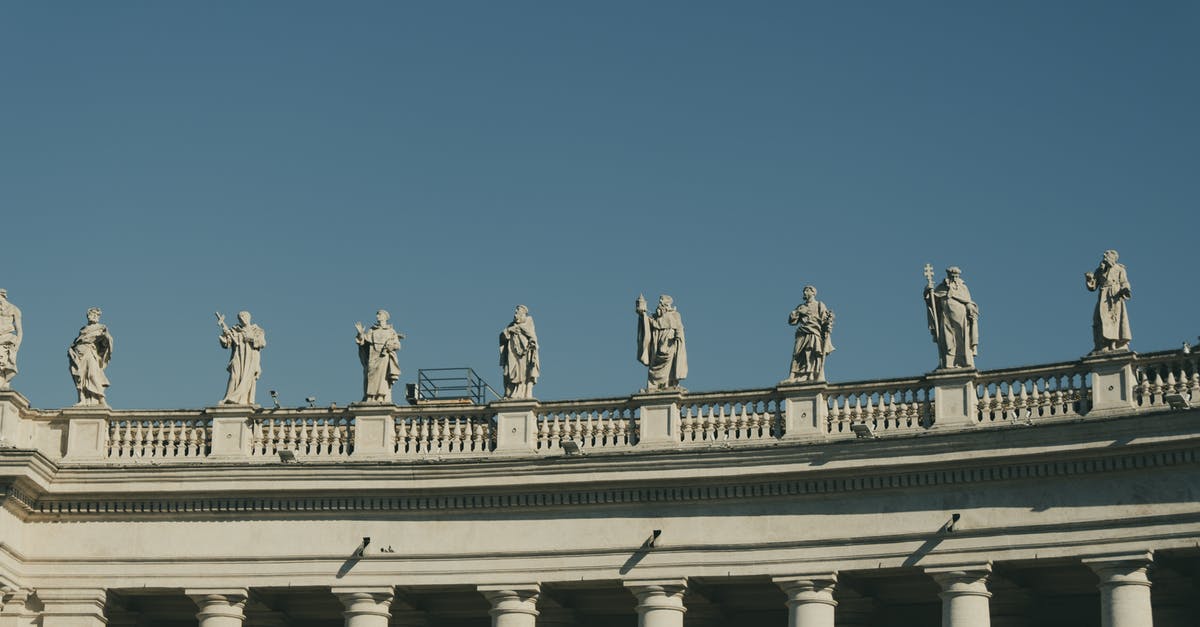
87 433
12 405
230 431
805 411
658 421
516 425
955 401
374 429
1112 382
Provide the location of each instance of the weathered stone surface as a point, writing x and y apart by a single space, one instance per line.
89 355
377 348
245 342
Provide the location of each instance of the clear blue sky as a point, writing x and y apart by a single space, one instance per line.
312 162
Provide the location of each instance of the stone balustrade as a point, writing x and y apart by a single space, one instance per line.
788 413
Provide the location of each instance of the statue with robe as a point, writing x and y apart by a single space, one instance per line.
245 341
377 348
953 319
1110 322
89 355
814 323
661 346
519 355
10 340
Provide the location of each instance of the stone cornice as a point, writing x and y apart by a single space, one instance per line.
29 501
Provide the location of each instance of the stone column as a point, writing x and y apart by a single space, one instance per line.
660 601
219 607
366 607
72 607
1124 590
964 595
805 411
513 605
809 599
658 418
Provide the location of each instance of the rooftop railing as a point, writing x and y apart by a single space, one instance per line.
792 413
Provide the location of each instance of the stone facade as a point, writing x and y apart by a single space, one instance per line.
1057 494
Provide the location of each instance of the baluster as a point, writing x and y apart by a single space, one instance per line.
556 430
687 427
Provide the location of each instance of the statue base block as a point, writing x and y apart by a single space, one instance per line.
230 431
1112 382
87 432
658 421
374 429
955 401
516 425
805 411
12 405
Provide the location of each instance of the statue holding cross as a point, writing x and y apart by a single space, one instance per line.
953 319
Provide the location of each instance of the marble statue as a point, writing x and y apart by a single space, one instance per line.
10 340
519 355
813 322
953 319
245 341
1110 323
661 345
89 356
377 348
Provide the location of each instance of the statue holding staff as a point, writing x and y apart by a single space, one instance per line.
519 355
1110 322
89 355
661 346
953 319
245 341
377 348
814 323
10 340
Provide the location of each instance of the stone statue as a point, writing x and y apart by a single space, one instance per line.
377 349
813 322
661 345
1110 323
953 319
89 356
10 339
246 342
519 355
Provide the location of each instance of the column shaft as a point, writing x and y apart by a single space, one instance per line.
964 596
660 602
809 599
1124 592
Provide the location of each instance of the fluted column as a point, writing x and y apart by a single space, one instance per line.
220 607
513 605
809 599
660 601
72 607
366 607
1124 590
964 595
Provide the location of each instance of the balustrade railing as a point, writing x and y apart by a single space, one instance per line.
134 438
591 424
1160 375
304 434
454 431
731 417
1030 394
888 406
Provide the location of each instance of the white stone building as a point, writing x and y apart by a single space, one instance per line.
1063 494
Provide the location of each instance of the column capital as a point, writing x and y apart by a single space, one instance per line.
962 579
219 603
808 588
658 594
1121 569
507 599
73 605
365 601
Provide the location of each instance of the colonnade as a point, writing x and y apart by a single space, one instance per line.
1123 584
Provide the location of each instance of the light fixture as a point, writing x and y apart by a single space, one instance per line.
287 456
570 447
275 399
312 401
1177 401
949 526
862 430
362 548
650 542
